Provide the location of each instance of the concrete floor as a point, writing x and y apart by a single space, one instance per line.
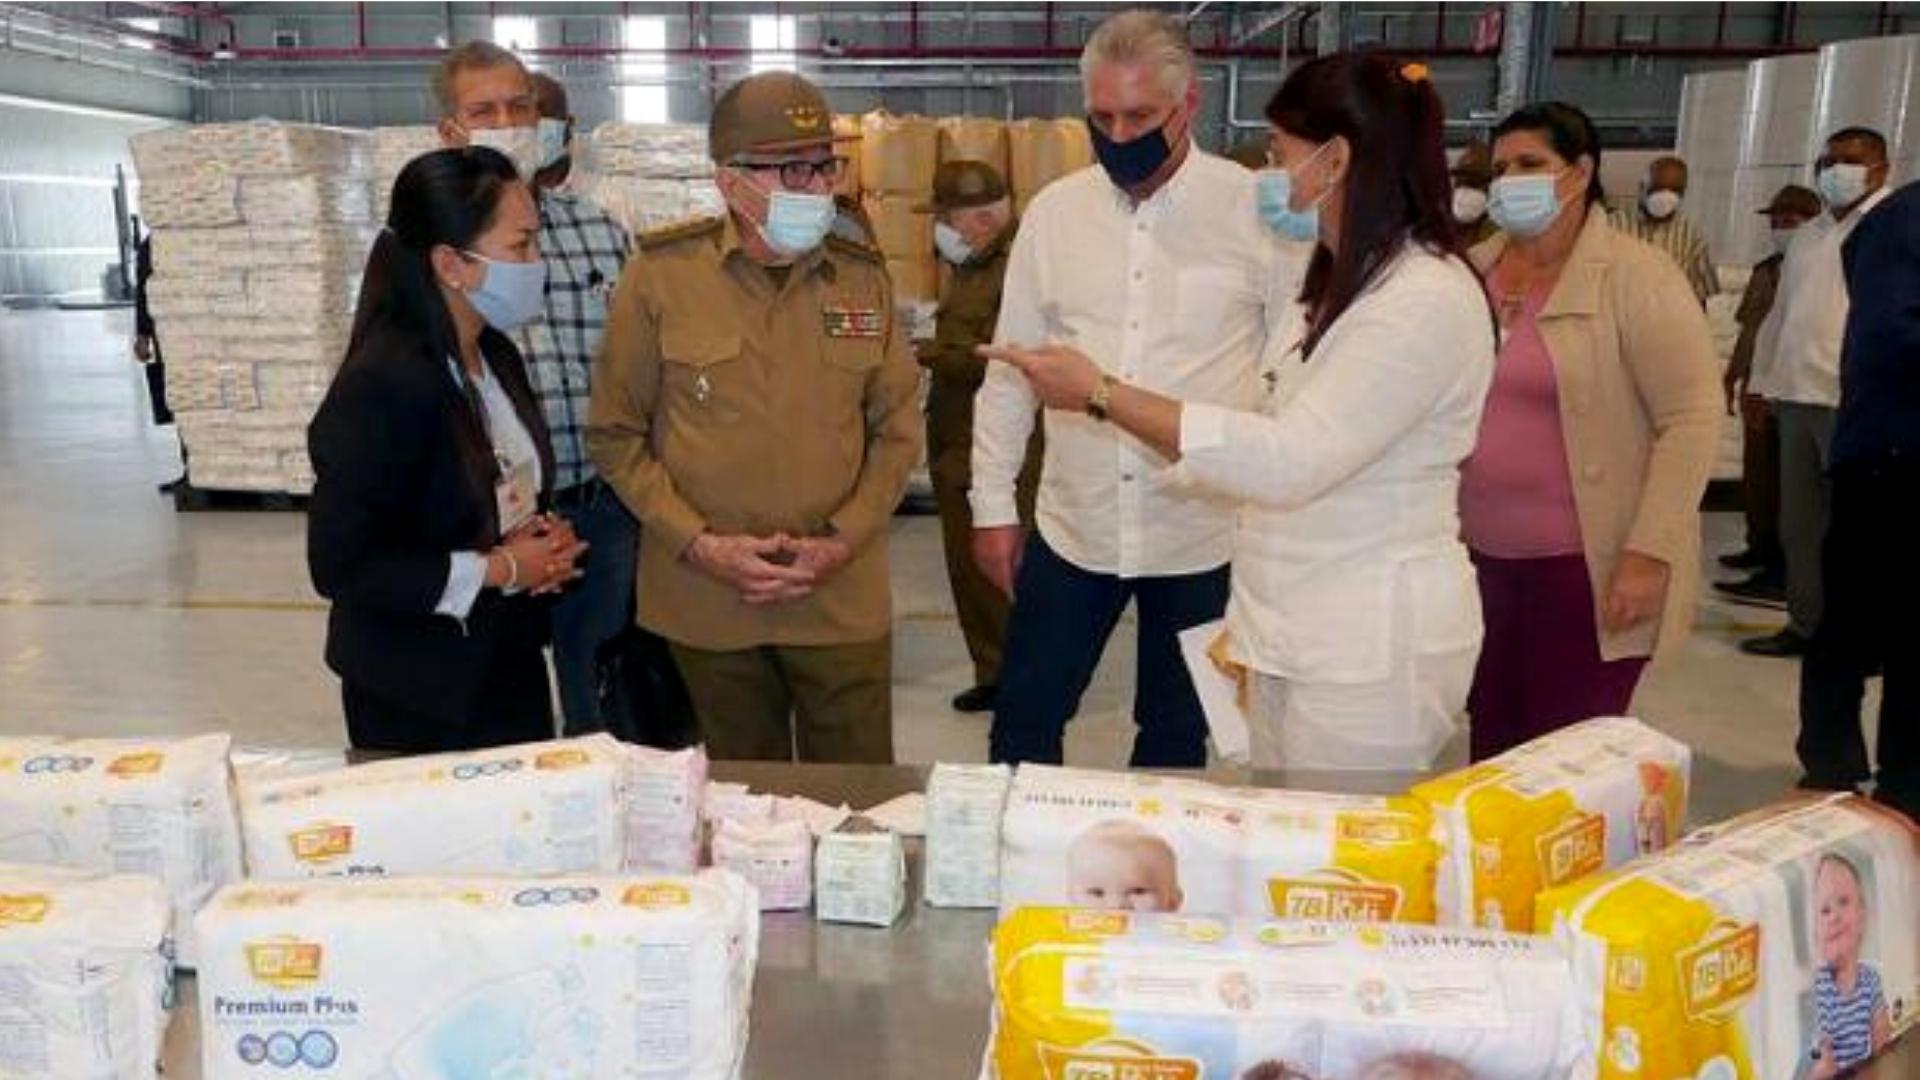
118 615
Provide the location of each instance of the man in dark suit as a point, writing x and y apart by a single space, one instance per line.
146 349
1872 577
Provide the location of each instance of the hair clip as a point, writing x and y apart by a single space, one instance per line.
1415 72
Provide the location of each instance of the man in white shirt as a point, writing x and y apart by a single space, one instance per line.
1796 368
1153 263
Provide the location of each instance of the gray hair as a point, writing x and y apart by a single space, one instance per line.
472 56
1143 36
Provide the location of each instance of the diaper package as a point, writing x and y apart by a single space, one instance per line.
860 875
1780 946
1118 995
86 969
1583 799
160 807
775 857
588 978
542 808
1126 841
663 809
964 807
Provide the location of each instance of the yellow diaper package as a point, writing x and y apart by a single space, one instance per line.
1583 799
1135 842
1783 945
1105 995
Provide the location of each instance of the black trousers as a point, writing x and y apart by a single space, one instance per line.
515 705
1871 564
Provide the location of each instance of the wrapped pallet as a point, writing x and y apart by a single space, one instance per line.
916 280
1042 151
645 176
159 807
543 808
87 966
392 148
848 144
260 235
1120 996
1781 944
898 154
974 138
479 977
900 231
1552 811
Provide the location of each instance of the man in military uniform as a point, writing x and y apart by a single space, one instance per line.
754 406
974 231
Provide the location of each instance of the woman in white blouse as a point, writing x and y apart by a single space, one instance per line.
1354 607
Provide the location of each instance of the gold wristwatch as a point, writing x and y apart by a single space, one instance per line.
1102 398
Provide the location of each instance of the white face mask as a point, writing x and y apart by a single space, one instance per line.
1661 204
953 246
521 145
1469 205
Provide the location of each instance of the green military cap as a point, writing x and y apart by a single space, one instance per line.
1793 199
958 185
768 113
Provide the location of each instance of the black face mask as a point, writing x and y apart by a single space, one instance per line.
1132 163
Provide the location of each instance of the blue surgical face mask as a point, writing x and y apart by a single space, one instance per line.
553 141
797 221
953 246
1842 185
1274 188
512 294
1524 206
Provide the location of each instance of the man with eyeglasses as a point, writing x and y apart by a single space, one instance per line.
755 405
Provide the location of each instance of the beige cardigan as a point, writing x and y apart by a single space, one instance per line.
1640 410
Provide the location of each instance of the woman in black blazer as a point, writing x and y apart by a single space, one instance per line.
433 467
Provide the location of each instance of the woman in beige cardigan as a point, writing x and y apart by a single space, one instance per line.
1581 500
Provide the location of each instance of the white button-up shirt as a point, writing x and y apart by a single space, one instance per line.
1796 357
1175 295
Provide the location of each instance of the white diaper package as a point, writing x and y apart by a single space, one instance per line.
1113 995
860 875
161 807
1128 841
776 858
586 978
86 974
725 801
663 795
542 808
1782 945
1552 811
964 806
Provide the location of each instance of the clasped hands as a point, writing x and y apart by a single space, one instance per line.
541 557
767 570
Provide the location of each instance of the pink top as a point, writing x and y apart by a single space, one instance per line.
1516 491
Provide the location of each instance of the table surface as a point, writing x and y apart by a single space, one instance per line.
907 1002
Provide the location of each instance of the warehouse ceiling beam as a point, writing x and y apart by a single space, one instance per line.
1267 22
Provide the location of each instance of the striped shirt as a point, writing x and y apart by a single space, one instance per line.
1682 242
584 251
1847 1020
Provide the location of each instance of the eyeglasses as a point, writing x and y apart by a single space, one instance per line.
797 174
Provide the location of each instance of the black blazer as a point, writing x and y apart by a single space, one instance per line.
405 477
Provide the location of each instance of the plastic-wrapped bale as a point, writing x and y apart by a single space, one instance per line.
915 279
468 977
88 969
1119 995
898 230
850 144
542 808
159 807
1042 151
964 806
250 148
656 151
975 138
898 154
391 149
1573 803
638 204
1781 944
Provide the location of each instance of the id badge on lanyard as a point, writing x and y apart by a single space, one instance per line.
514 495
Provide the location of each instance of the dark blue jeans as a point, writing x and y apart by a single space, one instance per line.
1062 618
598 606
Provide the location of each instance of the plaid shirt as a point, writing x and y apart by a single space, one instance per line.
1682 242
584 251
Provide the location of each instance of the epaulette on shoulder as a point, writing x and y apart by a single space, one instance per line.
840 245
680 230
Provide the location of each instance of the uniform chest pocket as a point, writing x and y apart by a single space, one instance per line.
702 374
858 355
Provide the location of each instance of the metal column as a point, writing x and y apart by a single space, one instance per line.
1333 27
1526 54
